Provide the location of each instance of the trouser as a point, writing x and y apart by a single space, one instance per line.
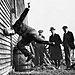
41 58
57 63
36 59
21 46
67 55
26 39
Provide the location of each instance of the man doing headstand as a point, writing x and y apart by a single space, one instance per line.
28 34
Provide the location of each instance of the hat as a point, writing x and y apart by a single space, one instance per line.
64 27
52 28
40 31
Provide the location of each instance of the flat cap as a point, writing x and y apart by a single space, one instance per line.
52 28
40 31
64 27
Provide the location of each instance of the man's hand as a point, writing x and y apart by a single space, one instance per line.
52 43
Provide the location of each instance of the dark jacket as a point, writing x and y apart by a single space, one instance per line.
68 39
21 28
55 51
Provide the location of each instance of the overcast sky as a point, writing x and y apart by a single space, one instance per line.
46 13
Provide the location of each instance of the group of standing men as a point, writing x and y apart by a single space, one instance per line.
55 51
30 34
67 43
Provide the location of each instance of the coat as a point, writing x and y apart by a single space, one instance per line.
20 27
55 51
68 39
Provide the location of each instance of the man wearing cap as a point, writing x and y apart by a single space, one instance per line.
55 51
39 51
68 43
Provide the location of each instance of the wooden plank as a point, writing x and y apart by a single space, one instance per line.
5 65
14 38
5 51
3 12
6 70
8 3
1 25
2 61
4 42
1 31
5 38
4 47
4 56
14 43
3 4
4 23
5 19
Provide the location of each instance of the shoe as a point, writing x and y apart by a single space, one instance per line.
72 66
29 58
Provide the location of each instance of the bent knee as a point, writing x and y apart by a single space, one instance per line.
34 32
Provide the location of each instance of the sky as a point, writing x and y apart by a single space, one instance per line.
44 14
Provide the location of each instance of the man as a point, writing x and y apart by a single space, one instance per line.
28 34
40 48
38 61
55 51
68 43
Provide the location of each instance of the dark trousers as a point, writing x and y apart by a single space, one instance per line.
21 46
41 58
67 55
36 59
57 63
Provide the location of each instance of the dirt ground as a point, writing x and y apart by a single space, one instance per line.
47 71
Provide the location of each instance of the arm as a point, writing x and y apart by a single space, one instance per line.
22 16
72 37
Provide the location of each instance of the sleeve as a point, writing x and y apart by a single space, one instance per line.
49 38
72 37
23 15
59 41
